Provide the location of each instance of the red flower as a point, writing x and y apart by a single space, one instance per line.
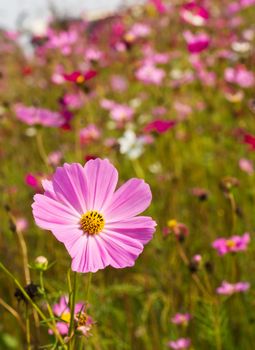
79 77
250 140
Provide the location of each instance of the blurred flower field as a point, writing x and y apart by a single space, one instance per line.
159 98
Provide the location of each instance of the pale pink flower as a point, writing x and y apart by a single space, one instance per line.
181 319
89 134
233 244
38 116
246 165
182 343
227 288
240 76
98 225
150 74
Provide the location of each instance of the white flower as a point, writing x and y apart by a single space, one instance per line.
131 145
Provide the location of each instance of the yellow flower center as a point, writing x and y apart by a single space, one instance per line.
230 243
92 222
172 223
66 317
80 79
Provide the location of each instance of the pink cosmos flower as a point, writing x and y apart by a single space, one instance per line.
73 100
38 116
240 76
246 165
182 343
98 225
80 77
121 113
181 319
227 288
89 134
119 83
159 6
62 310
150 74
231 245
194 13
160 126
196 42
55 157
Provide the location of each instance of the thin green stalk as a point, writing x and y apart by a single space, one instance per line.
41 149
40 313
72 299
88 286
28 336
47 299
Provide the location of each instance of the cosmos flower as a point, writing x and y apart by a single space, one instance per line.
246 165
80 77
62 311
249 140
196 42
132 145
227 288
181 319
121 113
160 126
89 134
150 74
240 76
38 116
98 225
231 245
194 14
181 343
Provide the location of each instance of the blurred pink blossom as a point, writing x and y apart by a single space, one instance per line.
196 42
231 245
89 134
181 319
194 13
150 74
182 343
227 288
246 165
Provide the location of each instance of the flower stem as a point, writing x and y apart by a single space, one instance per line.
72 299
88 286
28 337
41 148
40 313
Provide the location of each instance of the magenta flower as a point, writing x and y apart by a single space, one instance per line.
231 245
98 225
181 319
121 113
194 14
160 126
196 42
38 116
227 288
80 77
182 343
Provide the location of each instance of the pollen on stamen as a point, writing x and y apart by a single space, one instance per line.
92 222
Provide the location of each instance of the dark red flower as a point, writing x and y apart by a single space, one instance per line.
160 126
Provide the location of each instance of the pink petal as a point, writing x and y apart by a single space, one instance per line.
89 254
102 178
130 199
140 228
70 186
122 250
51 215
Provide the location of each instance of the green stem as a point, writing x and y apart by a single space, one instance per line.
28 336
41 149
88 286
72 304
47 299
40 313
